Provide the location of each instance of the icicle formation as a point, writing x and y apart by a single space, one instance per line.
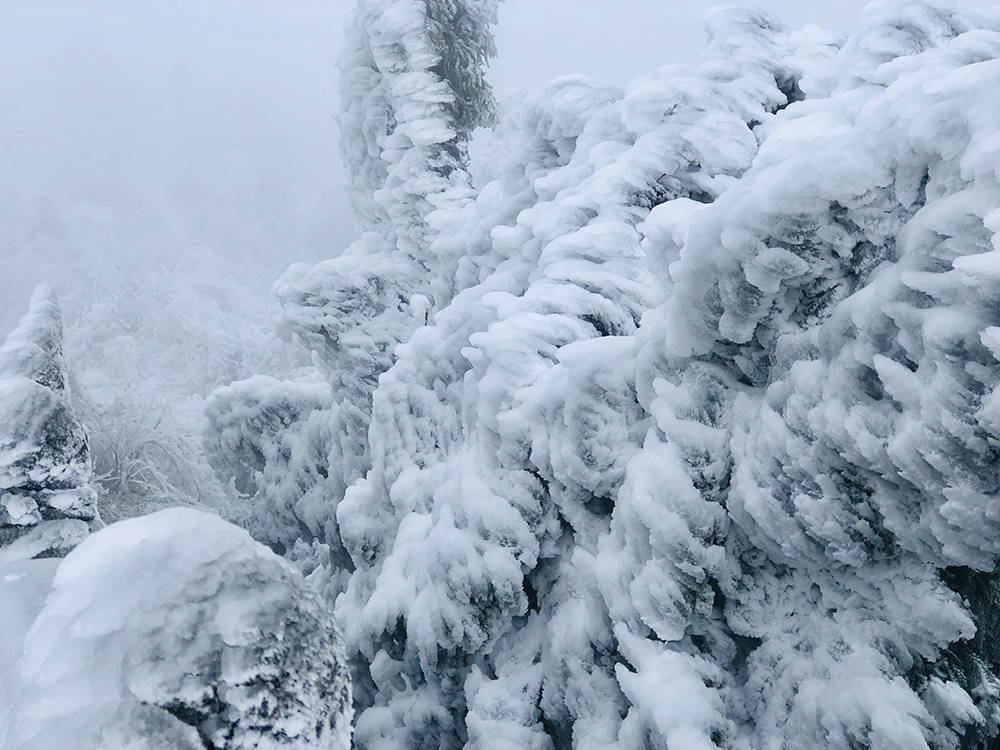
47 505
681 429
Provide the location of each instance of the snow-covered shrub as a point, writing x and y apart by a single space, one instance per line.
47 504
141 462
414 88
270 439
178 630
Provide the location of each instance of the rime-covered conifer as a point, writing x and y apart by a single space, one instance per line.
47 505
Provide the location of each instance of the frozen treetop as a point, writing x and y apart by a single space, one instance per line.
45 493
413 77
34 348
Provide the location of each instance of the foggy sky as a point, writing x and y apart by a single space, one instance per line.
192 110
617 41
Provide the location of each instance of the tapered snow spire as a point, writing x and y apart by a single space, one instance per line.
47 505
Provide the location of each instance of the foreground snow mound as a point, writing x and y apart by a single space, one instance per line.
24 584
46 502
177 630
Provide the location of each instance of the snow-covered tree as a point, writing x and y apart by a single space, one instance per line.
414 87
177 630
47 505
672 421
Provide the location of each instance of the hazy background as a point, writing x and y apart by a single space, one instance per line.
163 161
617 40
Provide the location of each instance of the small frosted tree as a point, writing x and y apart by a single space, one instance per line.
178 630
47 505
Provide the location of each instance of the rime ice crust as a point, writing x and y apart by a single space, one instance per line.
45 468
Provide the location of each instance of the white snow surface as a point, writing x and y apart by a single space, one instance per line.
24 584
47 504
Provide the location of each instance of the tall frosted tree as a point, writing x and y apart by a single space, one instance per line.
676 426
414 88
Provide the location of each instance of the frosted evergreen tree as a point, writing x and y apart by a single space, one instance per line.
414 89
518 469
675 427
47 505
812 299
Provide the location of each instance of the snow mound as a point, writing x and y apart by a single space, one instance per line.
178 630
